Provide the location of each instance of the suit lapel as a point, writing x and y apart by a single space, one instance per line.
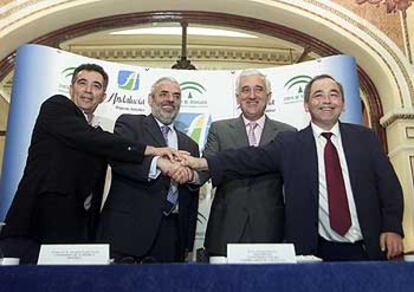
180 141
153 130
310 160
268 133
76 109
351 154
238 132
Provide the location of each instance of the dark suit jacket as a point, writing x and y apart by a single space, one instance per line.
236 214
65 164
134 207
377 191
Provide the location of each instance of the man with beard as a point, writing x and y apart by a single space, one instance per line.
147 217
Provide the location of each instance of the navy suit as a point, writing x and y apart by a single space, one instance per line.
377 191
133 212
66 164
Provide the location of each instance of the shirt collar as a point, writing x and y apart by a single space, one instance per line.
260 122
317 131
171 126
93 122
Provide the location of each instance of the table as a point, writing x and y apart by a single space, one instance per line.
352 276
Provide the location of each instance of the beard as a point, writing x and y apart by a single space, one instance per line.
166 118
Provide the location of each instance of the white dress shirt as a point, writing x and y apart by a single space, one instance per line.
154 172
325 230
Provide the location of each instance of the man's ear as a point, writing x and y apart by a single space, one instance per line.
70 90
305 105
102 98
238 99
150 99
268 97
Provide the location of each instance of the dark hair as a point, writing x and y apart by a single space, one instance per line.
322 76
91 67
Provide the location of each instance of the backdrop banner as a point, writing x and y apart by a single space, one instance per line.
207 96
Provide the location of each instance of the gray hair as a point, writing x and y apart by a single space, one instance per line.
252 72
162 79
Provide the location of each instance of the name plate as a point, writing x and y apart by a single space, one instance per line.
74 254
272 253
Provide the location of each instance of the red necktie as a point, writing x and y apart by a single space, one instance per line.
339 216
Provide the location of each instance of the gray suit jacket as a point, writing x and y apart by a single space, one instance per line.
244 210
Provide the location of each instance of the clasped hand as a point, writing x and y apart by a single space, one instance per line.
181 166
173 167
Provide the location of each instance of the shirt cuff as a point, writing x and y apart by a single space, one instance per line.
154 172
196 178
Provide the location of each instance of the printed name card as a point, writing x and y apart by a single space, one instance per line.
275 253
74 254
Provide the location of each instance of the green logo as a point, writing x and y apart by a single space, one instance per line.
68 72
193 89
295 88
299 81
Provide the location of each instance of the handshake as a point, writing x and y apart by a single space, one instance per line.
179 165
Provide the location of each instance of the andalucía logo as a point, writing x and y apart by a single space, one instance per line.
193 93
128 80
195 125
295 87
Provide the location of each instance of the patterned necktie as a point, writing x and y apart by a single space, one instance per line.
164 131
339 217
250 134
172 196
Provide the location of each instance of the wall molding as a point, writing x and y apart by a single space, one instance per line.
315 45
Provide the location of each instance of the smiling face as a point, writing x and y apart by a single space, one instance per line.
87 91
253 96
325 103
165 101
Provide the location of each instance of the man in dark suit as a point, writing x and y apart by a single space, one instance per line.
143 219
371 208
58 198
236 215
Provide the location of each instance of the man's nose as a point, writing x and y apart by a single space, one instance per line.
88 88
251 94
170 97
326 98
